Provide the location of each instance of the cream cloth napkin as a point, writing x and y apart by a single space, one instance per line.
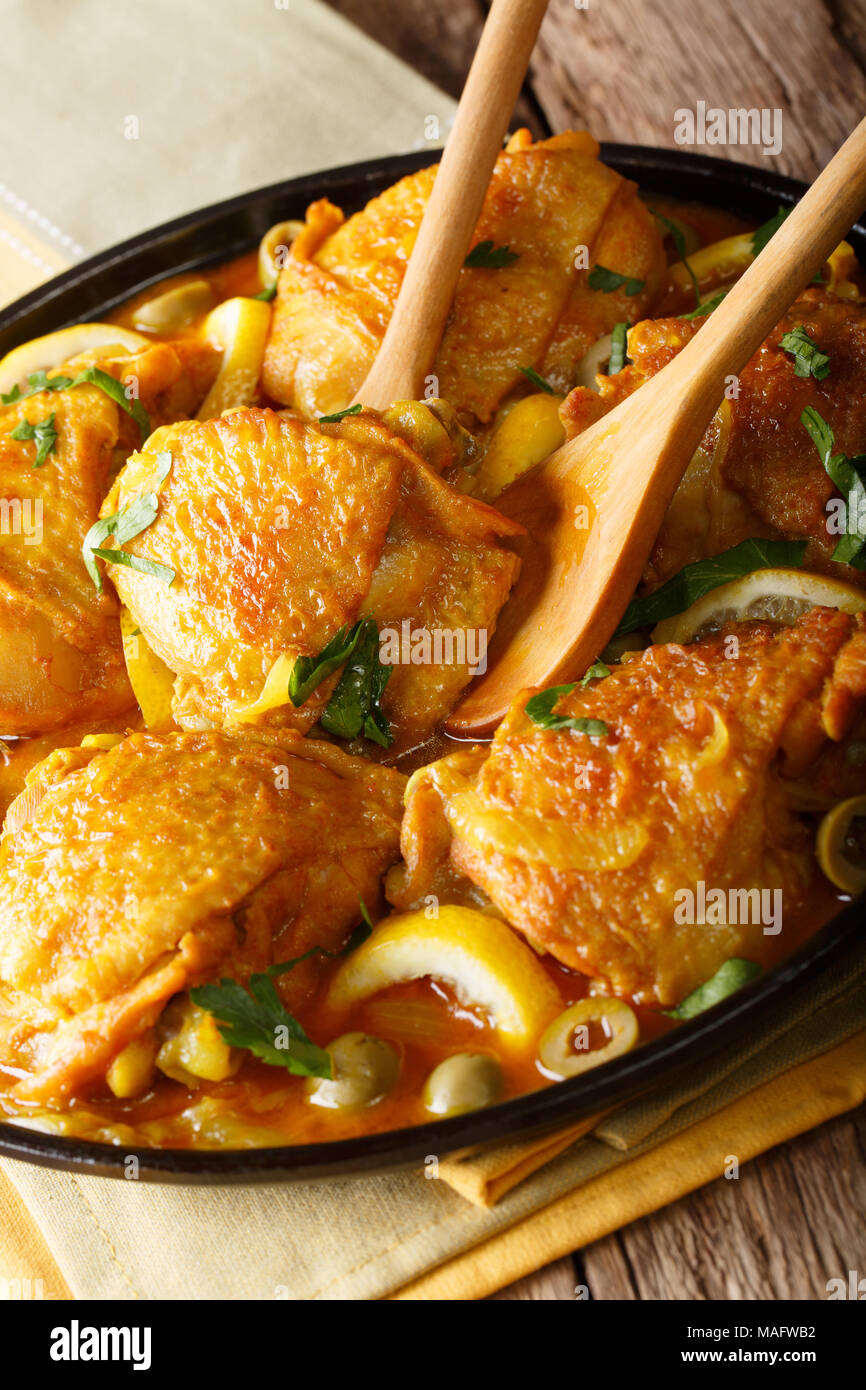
116 115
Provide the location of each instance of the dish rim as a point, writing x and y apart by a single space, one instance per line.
98 285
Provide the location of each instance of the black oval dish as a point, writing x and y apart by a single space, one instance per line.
92 289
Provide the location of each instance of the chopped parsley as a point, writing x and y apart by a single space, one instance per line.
727 980
354 708
309 671
809 360
618 349
256 1019
340 415
706 308
359 935
94 376
486 256
767 229
597 672
537 380
848 474
680 243
600 278
540 711
125 525
43 434
692 582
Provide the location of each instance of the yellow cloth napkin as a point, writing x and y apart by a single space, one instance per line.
236 97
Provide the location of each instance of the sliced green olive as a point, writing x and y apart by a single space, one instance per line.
365 1070
466 1081
273 249
175 307
565 1048
841 845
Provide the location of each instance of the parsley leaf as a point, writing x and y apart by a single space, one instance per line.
267 294
848 474
537 380
692 582
727 980
486 256
809 360
762 234
359 935
354 708
618 348
36 382
43 434
340 415
600 278
40 381
706 308
540 711
125 525
597 672
137 562
257 1020
310 671
680 243
113 388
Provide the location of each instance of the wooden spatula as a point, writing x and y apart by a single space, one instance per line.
593 509
492 87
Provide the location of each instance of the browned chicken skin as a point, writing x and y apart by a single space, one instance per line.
282 532
546 201
758 472
584 843
60 650
130 874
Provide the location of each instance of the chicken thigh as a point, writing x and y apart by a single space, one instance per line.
592 841
552 214
282 533
128 874
60 651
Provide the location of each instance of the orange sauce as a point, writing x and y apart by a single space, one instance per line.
266 1097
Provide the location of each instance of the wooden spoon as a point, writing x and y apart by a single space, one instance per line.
593 509
492 87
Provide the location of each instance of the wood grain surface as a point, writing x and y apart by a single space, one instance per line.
622 68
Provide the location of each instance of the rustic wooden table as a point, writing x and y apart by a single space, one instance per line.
621 68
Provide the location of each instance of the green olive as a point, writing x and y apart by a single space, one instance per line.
564 1047
466 1081
365 1069
273 250
174 308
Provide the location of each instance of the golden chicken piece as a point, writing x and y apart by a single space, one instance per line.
757 472
130 874
557 210
602 846
281 533
60 650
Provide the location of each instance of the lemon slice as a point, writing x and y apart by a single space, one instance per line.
41 354
239 327
483 960
529 432
837 845
275 692
151 680
774 595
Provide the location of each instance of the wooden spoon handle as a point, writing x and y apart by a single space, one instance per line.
492 87
785 267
